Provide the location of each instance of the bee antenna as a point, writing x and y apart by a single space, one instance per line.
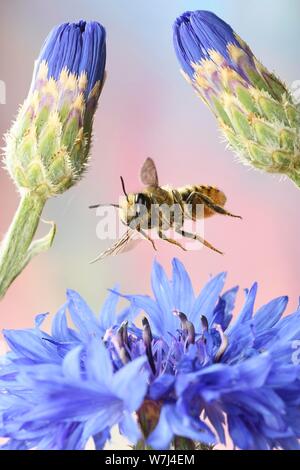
104 205
123 187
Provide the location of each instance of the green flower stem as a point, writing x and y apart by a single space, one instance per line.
17 248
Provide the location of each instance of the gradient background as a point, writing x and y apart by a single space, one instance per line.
147 109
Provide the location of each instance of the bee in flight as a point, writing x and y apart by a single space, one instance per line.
163 208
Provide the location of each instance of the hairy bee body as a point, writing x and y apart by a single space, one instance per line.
217 196
163 208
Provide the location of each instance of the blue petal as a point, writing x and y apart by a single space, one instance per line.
162 289
171 423
130 383
78 47
162 435
60 330
29 344
129 428
183 294
247 310
223 311
161 322
206 302
101 438
71 363
288 328
161 386
268 315
198 32
39 319
107 316
83 317
98 363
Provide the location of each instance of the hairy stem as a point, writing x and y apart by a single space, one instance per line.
15 250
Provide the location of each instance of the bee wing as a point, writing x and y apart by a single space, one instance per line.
149 174
126 243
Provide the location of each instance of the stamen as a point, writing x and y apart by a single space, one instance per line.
120 343
147 338
223 345
204 323
125 333
188 327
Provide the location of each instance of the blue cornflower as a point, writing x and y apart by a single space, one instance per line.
42 413
41 367
190 372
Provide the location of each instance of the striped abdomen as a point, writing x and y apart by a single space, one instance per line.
192 195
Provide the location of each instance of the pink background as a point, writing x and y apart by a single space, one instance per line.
147 109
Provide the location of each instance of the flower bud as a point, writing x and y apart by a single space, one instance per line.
48 145
255 110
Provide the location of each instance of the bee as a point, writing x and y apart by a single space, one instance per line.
163 208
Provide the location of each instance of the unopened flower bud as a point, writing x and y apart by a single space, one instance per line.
255 110
48 145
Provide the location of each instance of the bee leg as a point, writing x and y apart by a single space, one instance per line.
170 240
194 236
144 234
208 202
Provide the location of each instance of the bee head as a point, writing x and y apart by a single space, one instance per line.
134 208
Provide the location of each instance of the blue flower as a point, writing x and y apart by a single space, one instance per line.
78 48
205 363
62 406
190 372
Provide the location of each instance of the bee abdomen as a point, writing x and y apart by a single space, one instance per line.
213 193
217 196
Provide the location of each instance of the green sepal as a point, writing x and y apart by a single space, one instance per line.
257 80
58 169
247 100
24 123
20 177
240 122
279 90
293 115
259 157
295 177
70 132
79 152
288 139
232 138
41 119
49 142
283 159
221 113
266 135
35 175
272 110
26 151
